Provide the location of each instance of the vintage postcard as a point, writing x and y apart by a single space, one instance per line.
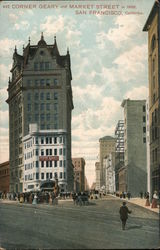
69 70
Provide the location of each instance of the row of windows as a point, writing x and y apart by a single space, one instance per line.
4 172
42 66
42 82
42 106
62 175
37 152
42 96
45 140
46 164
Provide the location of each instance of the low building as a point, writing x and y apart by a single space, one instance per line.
79 174
44 158
4 177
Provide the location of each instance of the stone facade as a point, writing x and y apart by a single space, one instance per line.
79 174
44 158
97 169
152 26
39 92
135 150
106 146
4 177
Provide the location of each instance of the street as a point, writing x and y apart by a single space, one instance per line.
66 226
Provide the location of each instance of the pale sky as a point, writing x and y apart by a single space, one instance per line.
108 61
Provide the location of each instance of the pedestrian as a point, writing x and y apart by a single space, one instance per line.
124 211
147 200
128 195
141 194
154 200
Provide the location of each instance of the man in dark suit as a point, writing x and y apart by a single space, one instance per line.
124 211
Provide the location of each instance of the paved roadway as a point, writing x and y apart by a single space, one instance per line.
66 226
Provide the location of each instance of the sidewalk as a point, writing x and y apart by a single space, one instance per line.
140 202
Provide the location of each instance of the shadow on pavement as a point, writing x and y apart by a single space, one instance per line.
134 227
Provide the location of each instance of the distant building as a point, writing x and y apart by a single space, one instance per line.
98 172
119 152
109 165
44 158
106 146
79 174
135 155
152 26
4 177
40 92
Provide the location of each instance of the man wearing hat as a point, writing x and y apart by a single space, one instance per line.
124 211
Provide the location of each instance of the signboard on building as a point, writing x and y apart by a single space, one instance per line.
49 158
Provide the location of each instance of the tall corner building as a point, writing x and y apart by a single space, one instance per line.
135 149
152 26
40 93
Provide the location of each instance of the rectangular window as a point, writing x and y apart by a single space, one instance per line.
144 129
55 140
36 82
144 139
42 66
47 164
50 151
55 175
60 151
48 96
37 176
42 117
60 139
55 82
50 175
37 152
42 126
48 82
46 65
60 175
36 140
29 107
144 119
47 152
55 96
47 175
42 176
64 163
50 140
55 151
50 164
55 164
60 163
37 164
144 108
36 106
46 140
42 82
36 117
42 96
36 95
64 151
64 174
42 140
42 164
